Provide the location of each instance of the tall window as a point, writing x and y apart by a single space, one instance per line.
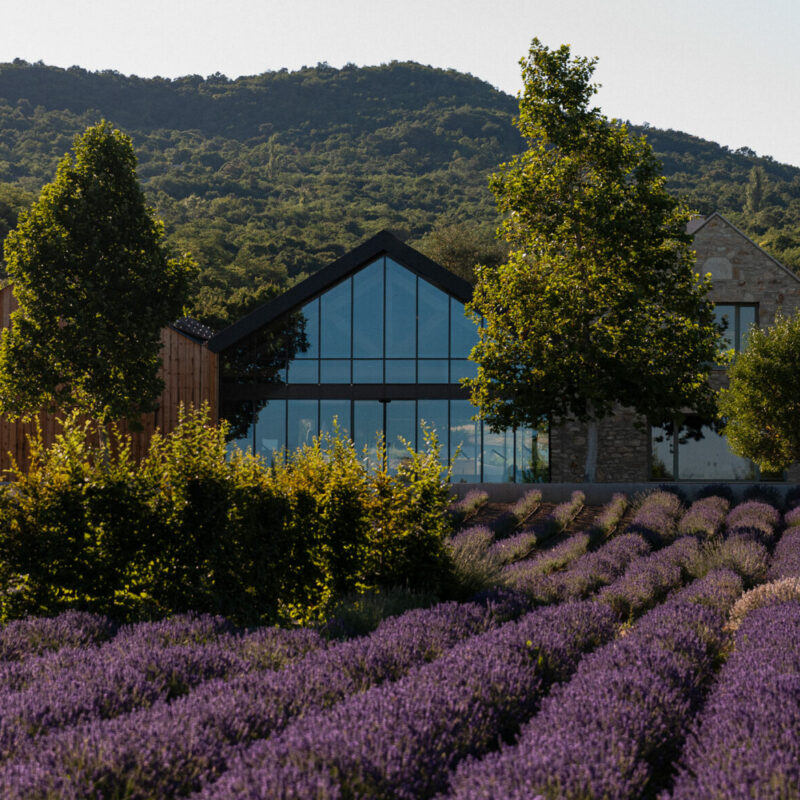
476 452
737 318
696 452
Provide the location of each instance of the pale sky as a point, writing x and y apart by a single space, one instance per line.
725 70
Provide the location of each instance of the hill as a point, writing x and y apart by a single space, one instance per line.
267 178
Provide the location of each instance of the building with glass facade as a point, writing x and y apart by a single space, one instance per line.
748 288
379 341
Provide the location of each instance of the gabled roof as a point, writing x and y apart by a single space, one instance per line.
744 236
383 243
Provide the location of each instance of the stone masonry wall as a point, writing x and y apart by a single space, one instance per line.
741 273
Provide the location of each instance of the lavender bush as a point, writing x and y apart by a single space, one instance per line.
27 637
400 741
705 517
510 520
467 506
753 519
649 578
611 731
786 557
744 743
170 748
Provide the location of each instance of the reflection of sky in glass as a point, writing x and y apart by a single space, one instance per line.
401 311
385 311
368 311
432 322
271 429
710 458
661 459
483 455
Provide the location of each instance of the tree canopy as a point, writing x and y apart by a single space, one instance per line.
598 303
762 403
267 178
95 285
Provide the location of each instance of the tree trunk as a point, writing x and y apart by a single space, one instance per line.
590 469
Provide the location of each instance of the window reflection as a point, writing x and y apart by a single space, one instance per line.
463 332
334 322
498 455
464 434
368 311
367 427
738 319
310 315
302 424
334 409
401 311
434 413
702 454
432 322
271 429
401 424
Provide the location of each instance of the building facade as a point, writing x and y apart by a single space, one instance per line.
378 341
748 288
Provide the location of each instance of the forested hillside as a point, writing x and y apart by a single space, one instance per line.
268 178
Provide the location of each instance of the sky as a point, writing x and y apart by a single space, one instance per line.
724 70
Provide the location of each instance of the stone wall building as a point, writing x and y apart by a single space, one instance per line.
749 287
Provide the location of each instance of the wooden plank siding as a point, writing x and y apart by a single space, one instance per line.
190 375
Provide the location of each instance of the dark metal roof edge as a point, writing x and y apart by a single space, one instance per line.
383 243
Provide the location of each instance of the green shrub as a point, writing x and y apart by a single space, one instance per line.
192 528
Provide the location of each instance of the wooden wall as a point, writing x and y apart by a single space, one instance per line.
189 372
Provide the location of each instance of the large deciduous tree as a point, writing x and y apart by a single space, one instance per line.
95 285
762 403
598 303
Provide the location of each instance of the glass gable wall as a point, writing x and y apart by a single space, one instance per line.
382 351
384 325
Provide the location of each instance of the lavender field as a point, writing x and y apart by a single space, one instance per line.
646 649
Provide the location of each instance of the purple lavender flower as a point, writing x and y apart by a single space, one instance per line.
613 728
169 748
744 744
400 741
705 517
786 558
26 637
649 578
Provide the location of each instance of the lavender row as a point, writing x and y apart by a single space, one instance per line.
264 648
169 749
524 508
30 637
744 743
469 505
613 729
402 740
786 556
102 683
567 551
648 579
655 522
754 520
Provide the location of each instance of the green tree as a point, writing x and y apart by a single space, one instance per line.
755 191
459 247
598 303
95 285
762 402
